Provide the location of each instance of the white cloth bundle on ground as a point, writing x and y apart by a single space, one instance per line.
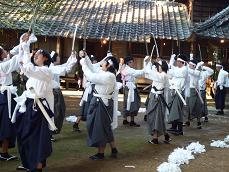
180 156
226 139
219 144
196 147
168 167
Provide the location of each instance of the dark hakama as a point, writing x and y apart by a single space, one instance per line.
156 114
220 97
99 121
204 108
59 108
176 107
194 105
7 129
134 107
33 136
85 106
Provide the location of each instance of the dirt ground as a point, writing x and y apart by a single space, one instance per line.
70 152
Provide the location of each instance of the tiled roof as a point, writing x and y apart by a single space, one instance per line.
130 20
215 27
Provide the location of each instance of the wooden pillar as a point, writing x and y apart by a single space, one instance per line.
58 45
161 48
129 52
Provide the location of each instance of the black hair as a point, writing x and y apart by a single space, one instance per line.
194 61
54 57
128 59
183 57
156 64
47 55
164 66
93 58
114 67
1 52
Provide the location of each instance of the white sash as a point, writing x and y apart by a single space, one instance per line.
10 90
131 86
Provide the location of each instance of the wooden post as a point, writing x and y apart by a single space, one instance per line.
161 48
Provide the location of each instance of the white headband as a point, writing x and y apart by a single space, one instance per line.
179 59
52 54
218 65
109 54
192 63
110 62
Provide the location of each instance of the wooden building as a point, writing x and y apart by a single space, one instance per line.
213 34
123 26
205 16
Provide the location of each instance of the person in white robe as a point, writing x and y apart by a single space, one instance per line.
33 113
205 73
176 100
157 104
220 89
101 109
7 104
56 98
132 100
194 100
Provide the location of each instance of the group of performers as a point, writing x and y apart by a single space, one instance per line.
29 117
38 113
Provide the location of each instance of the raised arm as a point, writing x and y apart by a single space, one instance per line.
134 72
208 71
40 73
178 72
64 68
32 38
100 78
193 72
10 65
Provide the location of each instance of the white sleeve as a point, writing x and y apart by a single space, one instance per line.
15 50
10 65
58 70
101 78
93 67
153 75
32 39
178 72
40 73
221 80
134 72
193 72
208 71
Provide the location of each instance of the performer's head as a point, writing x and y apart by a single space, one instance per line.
218 66
192 64
82 53
42 58
93 59
129 61
110 64
181 59
3 54
25 37
161 66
